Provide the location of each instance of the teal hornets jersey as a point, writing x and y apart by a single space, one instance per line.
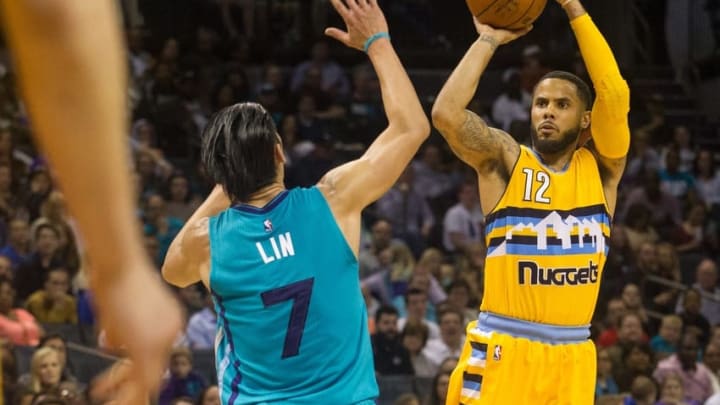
292 323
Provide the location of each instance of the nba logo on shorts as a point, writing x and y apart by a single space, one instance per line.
268 225
497 353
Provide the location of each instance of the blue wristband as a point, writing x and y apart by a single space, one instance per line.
374 38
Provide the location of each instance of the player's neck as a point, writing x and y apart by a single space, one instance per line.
556 161
265 195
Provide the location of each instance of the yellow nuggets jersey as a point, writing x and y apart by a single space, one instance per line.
547 242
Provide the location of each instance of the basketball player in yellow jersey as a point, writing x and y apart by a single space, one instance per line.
548 210
72 71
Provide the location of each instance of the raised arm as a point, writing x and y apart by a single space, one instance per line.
355 185
189 252
484 148
609 123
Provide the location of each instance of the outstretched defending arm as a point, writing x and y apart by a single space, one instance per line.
357 184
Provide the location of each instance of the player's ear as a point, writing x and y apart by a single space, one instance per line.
279 153
585 120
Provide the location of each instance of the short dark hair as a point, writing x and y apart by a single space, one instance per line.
583 90
46 225
238 149
416 328
383 310
414 291
49 337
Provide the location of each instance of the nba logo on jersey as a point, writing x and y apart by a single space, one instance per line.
497 353
268 225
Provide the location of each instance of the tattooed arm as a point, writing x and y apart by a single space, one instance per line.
489 151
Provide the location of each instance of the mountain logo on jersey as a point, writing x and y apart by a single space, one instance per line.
528 232
267 224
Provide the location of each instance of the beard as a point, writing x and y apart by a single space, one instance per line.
553 146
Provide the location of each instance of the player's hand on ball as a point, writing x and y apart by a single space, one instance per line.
501 36
363 19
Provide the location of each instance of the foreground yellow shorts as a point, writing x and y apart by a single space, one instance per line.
499 369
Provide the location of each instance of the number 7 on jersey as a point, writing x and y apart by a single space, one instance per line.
300 293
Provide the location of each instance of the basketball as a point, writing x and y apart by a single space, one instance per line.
510 14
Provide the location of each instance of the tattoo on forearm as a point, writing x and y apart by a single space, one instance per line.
490 40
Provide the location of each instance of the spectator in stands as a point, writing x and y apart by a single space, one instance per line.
408 212
463 222
657 296
682 145
153 171
706 280
451 339
673 393
711 360
431 178
695 234
414 338
642 157
332 76
366 116
513 104
696 377
57 342
459 298
708 179
53 212
182 381
619 259
9 199
636 360
159 224
416 303
32 274
391 357
633 302
40 187
9 370
606 384
638 227
421 280
381 238
6 270
181 202
642 392
439 389
666 341
630 331
645 264
16 325
17 248
692 318
673 180
201 328
615 309
209 396
664 207
45 376
53 304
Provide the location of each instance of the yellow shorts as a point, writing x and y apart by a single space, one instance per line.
504 369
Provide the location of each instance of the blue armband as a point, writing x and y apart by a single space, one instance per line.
374 38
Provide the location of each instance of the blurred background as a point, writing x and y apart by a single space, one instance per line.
422 254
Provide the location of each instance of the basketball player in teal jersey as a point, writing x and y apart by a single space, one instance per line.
282 264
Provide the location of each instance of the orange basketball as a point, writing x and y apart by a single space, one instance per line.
511 14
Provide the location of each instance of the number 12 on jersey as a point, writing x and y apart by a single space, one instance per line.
300 293
543 182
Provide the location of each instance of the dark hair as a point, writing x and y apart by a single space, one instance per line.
414 291
450 310
583 90
459 283
416 328
49 337
238 149
385 309
46 225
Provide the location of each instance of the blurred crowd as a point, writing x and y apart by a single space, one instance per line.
657 324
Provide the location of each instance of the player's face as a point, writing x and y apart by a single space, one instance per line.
557 116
